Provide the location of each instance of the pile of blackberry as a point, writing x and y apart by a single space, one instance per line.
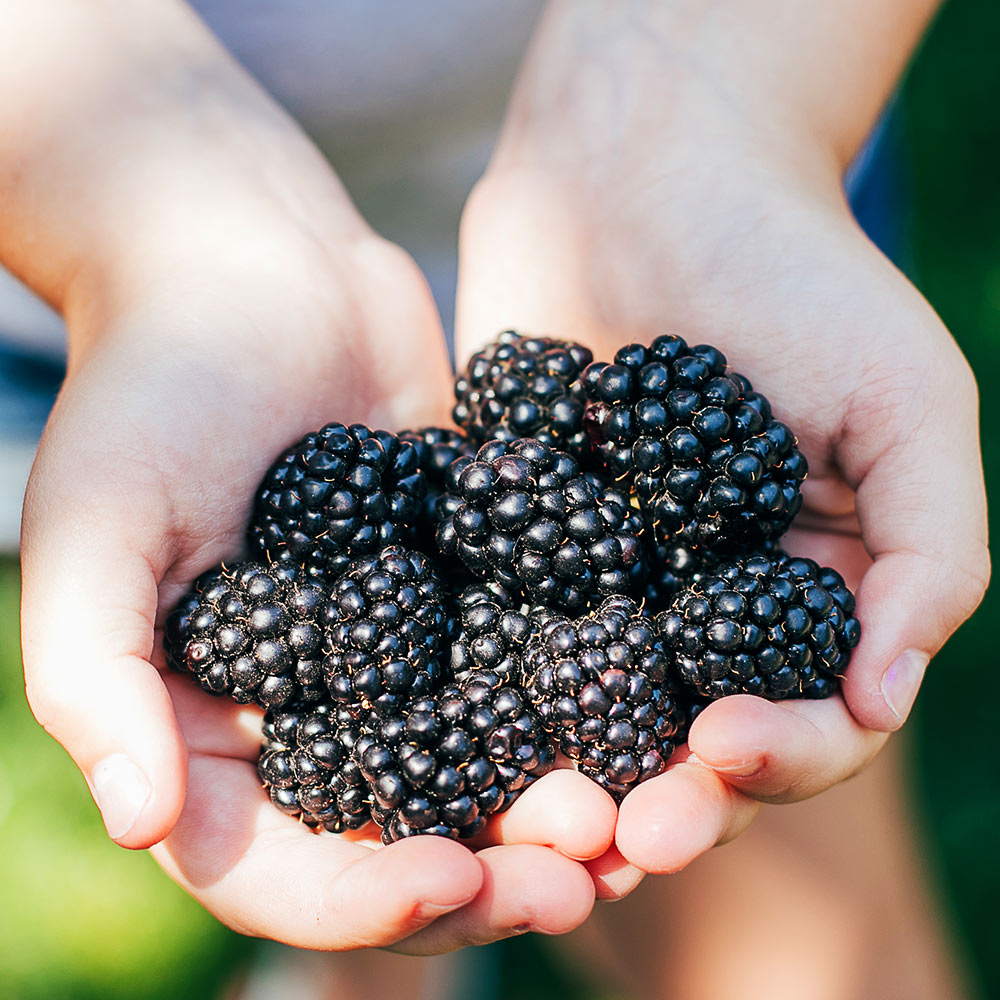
579 567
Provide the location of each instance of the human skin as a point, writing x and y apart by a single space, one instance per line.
223 297
654 175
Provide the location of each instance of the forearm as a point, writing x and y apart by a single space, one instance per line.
137 147
806 79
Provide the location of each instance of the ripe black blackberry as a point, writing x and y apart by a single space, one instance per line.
437 448
252 632
388 627
524 516
494 627
775 626
452 759
340 493
601 687
672 566
709 464
520 387
307 767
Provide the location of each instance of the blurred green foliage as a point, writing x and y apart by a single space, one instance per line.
82 919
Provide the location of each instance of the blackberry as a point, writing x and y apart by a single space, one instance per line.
252 632
387 630
520 387
494 627
674 566
307 767
453 759
601 687
671 567
775 626
340 493
709 464
525 517
437 448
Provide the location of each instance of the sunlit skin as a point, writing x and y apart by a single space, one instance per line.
223 298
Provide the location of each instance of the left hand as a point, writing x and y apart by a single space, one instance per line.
609 217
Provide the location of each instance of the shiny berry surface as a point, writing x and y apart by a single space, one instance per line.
601 686
307 768
771 625
388 630
252 632
450 761
708 464
520 387
336 495
524 516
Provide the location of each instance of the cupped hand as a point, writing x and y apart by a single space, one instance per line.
173 407
616 209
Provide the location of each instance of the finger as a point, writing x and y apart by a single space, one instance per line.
88 604
525 888
614 878
262 873
415 377
509 278
668 821
563 810
911 448
782 751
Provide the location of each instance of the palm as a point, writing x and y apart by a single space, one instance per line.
144 481
786 285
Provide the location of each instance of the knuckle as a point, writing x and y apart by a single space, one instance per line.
971 578
50 705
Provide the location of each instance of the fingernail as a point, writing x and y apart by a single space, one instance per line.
901 681
430 911
739 768
121 791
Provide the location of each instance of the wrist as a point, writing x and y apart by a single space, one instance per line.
138 144
800 87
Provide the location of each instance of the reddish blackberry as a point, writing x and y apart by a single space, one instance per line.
520 387
453 759
306 766
601 687
437 448
387 630
709 464
340 493
494 627
252 632
775 626
525 516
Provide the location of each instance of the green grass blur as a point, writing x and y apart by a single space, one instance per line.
82 919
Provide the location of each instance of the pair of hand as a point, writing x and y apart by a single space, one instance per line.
595 223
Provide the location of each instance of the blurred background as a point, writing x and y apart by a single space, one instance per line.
81 918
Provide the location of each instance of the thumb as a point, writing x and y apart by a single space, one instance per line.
912 447
89 598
